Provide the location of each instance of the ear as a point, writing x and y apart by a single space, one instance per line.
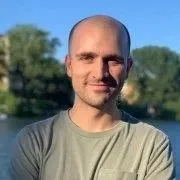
129 65
68 65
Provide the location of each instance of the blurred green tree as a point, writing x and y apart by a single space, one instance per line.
37 78
156 72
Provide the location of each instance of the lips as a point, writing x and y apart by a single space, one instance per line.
100 87
110 84
99 84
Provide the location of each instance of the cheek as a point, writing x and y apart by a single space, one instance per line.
79 73
118 73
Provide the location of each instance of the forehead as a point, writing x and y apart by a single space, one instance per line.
98 25
92 34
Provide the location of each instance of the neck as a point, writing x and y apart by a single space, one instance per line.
92 119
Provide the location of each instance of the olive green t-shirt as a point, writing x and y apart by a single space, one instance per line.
56 149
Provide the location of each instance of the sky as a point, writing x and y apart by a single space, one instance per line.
155 22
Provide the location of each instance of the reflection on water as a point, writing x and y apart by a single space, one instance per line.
6 137
9 129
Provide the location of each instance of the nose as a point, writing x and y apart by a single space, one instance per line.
101 69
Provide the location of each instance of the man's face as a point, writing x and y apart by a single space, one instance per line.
97 65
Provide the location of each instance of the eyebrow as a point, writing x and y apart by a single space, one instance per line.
115 56
86 54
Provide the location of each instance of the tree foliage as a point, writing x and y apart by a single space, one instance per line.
156 72
37 77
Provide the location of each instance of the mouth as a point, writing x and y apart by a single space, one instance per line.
101 87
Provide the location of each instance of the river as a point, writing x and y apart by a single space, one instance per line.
8 131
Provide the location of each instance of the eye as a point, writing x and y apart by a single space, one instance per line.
115 61
87 58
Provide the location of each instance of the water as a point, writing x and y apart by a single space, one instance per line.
172 129
8 131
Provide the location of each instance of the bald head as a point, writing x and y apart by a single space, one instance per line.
102 22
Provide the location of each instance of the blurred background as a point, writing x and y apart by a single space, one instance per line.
33 81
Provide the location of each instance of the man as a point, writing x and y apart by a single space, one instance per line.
94 140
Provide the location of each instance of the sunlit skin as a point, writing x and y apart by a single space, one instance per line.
97 65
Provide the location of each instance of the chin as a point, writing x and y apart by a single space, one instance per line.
99 103
101 106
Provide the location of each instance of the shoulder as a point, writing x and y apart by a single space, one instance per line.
41 133
46 125
149 140
144 130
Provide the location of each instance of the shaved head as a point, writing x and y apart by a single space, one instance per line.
98 61
103 22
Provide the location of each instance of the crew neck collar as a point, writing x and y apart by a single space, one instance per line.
73 127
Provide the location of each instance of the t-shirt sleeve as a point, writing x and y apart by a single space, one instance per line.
161 163
24 160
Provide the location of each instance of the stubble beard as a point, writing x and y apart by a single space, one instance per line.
98 100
